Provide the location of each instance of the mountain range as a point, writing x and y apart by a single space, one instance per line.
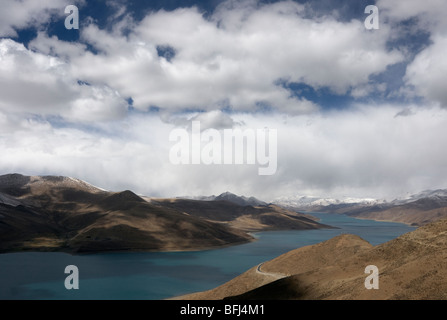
417 209
56 213
230 197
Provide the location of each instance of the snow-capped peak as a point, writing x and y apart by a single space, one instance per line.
309 201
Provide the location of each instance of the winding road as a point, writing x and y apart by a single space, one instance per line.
269 274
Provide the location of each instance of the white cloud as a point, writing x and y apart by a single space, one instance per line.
430 14
215 119
428 71
232 59
35 83
51 46
366 152
16 15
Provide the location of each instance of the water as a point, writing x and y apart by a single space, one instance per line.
136 276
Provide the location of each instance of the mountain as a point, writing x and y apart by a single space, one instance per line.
312 202
230 197
415 213
242 217
417 209
54 213
410 268
426 194
19 185
240 200
65 214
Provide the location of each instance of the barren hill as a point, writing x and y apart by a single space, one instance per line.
411 266
416 213
243 217
417 209
66 214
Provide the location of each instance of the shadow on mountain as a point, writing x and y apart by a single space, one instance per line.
66 214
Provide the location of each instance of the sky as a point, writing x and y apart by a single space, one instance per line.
358 112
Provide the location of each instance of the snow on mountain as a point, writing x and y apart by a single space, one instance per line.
311 201
62 182
17 184
430 194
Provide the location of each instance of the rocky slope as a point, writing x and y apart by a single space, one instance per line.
411 266
65 214
242 217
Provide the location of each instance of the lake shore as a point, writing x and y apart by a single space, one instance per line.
164 275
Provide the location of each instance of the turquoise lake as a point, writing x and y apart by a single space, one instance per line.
154 276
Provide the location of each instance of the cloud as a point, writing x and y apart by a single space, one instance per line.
366 152
64 105
405 113
215 119
35 83
426 73
429 14
236 58
51 46
16 15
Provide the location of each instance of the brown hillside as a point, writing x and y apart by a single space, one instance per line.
65 214
411 266
243 217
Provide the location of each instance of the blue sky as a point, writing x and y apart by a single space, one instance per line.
358 112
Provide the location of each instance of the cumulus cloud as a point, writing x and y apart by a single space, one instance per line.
429 14
237 58
35 83
427 72
51 46
16 15
64 105
215 119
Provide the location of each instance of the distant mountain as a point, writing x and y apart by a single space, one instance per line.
308 202
410 268
242 217
53 213
240 200
230 197
427 194
417 209
417 212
